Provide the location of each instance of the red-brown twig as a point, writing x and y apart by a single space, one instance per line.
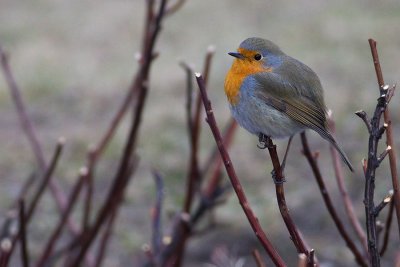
389 134
22 230
5 255
258 259
328 202
194 172
156 214
104 241
25 121
87 200
194 176
29 131
234 179
189 100
215 179
348 204
280 196
388 223
48 249
46 178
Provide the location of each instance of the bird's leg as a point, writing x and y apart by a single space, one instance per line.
286 153
264 141
273 173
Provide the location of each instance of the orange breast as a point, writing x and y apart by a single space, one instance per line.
241 68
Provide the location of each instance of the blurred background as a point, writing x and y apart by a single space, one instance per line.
74 61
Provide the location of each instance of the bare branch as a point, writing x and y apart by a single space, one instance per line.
280 196
387 226
383 203
47 251
234 179
389 132
24 243
348 204
156 214
328 202
46 178
258 259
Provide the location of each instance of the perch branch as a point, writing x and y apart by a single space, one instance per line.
253 220
328 202
280 196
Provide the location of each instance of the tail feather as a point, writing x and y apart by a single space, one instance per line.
333 142
342 154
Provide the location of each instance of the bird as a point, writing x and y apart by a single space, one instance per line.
273 95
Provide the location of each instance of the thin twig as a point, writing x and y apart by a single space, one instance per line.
194 171
227 137
174 7
348 204
328 202
388 224
389 134
373 162
234 179
104 241
156 214
128 160
189 99
386 200
27 126
258 259
47 251
227 133
24 243
46 178
25 121
280 196
87 200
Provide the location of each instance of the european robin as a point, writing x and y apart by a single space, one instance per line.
274 95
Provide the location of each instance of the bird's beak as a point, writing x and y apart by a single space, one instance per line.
236 55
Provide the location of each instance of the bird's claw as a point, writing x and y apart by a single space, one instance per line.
277 181
264 141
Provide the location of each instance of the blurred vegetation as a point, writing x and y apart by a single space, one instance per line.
74 60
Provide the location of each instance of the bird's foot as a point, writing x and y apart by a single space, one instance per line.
264 141
276 180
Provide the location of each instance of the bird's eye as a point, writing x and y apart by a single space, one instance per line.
257 57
